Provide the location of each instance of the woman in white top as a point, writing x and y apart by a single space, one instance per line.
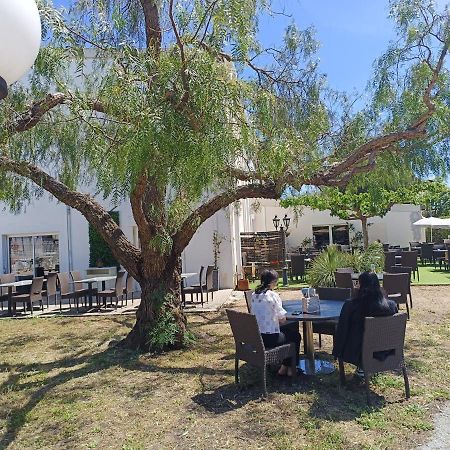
270 315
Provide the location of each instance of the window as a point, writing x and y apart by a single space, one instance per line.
26 253
324 235
340 234
321 236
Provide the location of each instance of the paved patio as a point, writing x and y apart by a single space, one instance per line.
221 299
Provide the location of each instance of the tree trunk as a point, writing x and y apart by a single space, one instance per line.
365 232
160 310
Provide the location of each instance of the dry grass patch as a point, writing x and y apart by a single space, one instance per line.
64 386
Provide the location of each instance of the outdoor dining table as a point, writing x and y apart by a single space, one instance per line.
91 281
10 287
355 276
329 310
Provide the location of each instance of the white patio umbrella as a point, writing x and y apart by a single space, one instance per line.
432 222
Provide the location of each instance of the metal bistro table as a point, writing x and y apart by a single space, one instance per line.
10 287
329 310
91 281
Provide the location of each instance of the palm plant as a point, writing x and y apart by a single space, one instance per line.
325 265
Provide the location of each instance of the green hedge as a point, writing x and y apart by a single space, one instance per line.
99 252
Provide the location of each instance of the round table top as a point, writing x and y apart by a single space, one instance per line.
355 276
329 310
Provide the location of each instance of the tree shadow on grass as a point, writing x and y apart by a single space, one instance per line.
90 364
326 398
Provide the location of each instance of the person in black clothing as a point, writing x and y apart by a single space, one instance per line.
370 302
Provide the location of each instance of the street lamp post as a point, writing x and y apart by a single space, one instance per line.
283 228
20 35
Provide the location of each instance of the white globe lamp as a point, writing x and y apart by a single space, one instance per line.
20 35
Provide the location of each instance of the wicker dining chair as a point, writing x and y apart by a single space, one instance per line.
33 296
250 346
329 293
385 335
65 293
426 252
114 294
404 269
389 260
51 288
343 280
6 278
198 289
207 286
409 259
248 300
129 289
397 287
298 267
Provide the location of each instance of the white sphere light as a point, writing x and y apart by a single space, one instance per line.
20 35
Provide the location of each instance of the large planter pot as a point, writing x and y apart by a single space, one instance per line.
215 277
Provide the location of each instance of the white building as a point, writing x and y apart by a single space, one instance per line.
49 233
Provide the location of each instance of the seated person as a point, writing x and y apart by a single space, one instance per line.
369 302
269 313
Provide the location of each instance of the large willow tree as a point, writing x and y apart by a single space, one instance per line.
183 112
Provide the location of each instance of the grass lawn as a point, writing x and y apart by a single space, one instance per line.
428 276
64 386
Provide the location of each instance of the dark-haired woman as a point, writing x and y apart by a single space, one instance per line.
270 315
370 302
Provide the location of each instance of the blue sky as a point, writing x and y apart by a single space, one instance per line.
352 33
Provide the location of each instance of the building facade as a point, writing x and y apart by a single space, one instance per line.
50 234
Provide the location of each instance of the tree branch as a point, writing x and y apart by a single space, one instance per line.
125 252
208 209
153 30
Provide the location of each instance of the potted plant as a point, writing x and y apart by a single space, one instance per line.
217 241
306 244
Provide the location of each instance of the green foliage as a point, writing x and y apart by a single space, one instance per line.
323 267
164 332
368 195
99 251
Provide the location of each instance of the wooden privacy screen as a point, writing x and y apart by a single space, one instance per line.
262 248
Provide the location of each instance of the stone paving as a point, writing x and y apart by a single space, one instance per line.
440 439
221 299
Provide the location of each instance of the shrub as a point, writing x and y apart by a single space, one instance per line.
323 267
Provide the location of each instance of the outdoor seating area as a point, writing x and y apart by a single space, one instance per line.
224 225
65 291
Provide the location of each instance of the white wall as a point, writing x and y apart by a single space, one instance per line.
395 228
47 216
200 250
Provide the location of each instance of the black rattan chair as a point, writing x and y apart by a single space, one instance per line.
382 349
397 287
250 346
298 267
328 293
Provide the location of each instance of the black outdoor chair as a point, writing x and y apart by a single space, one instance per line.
409 259
298 266
198 289
404 269
382 349
208 284
426 253
389 260
397 287
328 293
343 280
250 346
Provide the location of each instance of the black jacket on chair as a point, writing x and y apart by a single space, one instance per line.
350 328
